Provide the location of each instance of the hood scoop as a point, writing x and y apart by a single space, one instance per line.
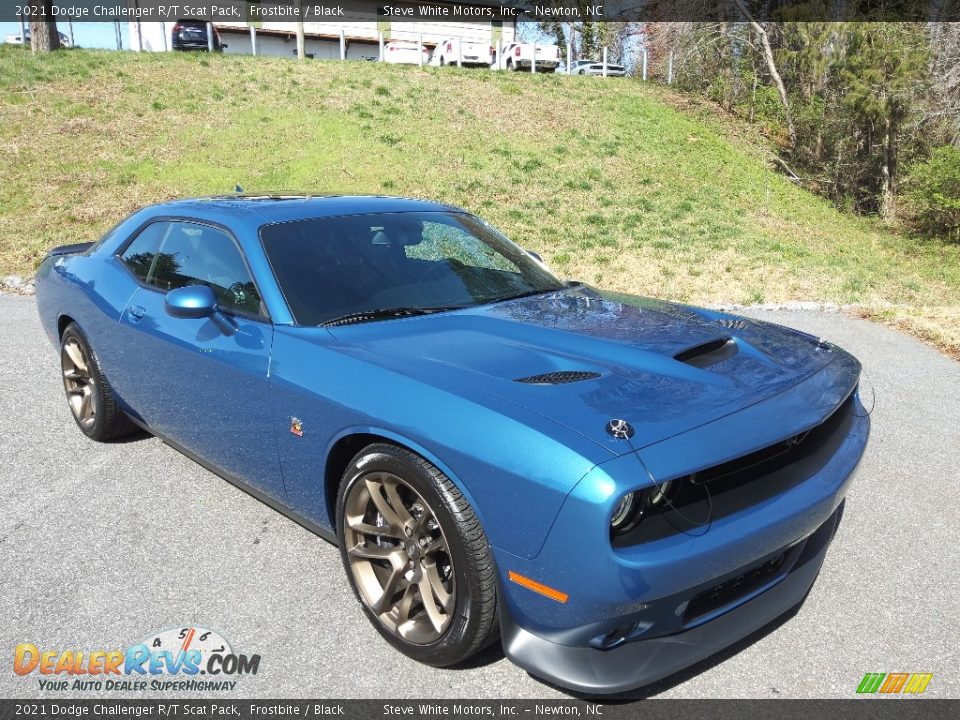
559 377
708 353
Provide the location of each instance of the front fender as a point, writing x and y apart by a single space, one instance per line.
514 467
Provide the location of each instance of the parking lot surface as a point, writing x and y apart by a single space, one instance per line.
103 545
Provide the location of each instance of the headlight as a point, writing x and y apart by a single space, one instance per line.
634 505
658 495
624 513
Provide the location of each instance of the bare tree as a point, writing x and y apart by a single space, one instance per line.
43 33
945 76
771 68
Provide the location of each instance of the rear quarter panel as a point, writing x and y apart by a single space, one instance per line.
92 290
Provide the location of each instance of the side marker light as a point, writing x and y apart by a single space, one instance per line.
560 597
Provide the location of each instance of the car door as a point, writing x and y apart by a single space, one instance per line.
202 382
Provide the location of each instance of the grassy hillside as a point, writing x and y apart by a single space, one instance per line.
613 182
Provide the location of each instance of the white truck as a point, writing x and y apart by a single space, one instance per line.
469 53
519 56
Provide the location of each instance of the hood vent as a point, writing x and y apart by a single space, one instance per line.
732 323
708 353
560 377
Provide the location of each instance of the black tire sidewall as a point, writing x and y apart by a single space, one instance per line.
448 649
97 431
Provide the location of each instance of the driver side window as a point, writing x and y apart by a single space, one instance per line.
192 254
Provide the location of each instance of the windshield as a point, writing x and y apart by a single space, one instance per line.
332 268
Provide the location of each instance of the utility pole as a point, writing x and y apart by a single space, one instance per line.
301 50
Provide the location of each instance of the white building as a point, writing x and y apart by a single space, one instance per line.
356 34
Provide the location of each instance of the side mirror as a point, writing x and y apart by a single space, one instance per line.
193 301
535 256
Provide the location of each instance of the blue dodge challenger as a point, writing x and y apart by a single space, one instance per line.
616 487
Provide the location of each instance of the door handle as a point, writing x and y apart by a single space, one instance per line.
135 312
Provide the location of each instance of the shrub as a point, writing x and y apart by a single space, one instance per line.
933 193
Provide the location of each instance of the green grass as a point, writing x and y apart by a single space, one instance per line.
619 183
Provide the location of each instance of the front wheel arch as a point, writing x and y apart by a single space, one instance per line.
350 442
62 322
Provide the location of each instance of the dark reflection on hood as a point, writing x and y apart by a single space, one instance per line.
614 317
630 341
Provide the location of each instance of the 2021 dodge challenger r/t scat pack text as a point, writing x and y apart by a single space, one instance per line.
615 486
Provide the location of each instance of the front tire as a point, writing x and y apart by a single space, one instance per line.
416 556
91 399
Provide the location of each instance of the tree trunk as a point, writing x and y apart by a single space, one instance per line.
771 68
888 206
726 52
43 32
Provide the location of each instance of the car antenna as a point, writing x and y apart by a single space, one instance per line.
237 188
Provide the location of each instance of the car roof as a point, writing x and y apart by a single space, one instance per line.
283 207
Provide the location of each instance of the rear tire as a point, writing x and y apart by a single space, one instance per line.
417 558
91 399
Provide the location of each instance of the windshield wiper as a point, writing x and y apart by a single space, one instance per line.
385 313
527 293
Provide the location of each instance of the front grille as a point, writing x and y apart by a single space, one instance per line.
730 487
764 455
560 377
729 591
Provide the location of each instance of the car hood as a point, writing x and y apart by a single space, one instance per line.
628 346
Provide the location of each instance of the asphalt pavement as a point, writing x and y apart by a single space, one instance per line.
103 545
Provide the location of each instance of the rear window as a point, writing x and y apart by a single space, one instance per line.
141 252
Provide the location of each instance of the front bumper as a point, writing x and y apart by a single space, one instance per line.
636 614
635 664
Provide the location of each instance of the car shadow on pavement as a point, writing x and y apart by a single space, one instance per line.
135 436
488 656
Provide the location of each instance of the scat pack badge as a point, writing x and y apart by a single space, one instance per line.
147 665
296 427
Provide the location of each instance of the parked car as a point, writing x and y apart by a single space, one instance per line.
476 54
595 67
405 52
616 486
192 35
518 56
16 39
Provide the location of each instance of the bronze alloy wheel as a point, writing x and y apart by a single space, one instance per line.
79 382
399 557
416 555
93 404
